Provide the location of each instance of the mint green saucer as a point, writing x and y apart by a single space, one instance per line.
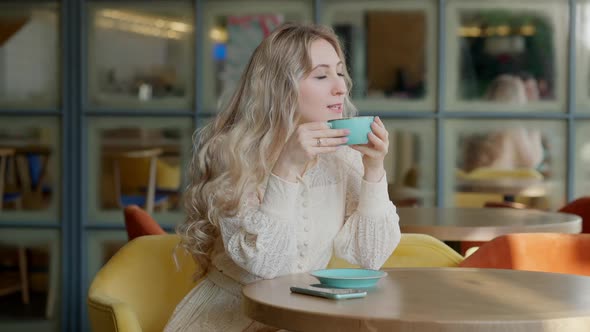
349 278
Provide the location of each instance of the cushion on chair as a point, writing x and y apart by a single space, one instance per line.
580 207
10 197
139 287
140 223
414 250
35 167
140 200
546 252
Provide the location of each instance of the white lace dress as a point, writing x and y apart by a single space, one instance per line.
294 228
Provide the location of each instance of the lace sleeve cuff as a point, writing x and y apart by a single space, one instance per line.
373 198
280 197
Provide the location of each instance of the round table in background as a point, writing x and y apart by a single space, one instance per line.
484 224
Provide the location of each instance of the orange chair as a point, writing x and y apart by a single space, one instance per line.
580 207
140 223
545 252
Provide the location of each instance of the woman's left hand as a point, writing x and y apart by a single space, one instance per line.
375 151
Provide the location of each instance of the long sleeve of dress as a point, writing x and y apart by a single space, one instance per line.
371 230
259 238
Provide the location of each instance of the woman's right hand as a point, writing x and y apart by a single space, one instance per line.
308 140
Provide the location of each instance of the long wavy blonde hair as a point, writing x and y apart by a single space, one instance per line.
234 154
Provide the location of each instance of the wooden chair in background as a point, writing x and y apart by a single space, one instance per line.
133 164
9 283
14 197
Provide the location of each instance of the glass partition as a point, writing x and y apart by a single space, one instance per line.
493 160
390 49
233 30
30 280
137 161
582 160
583 56
506 56
30 161
140 55
102 245
410 163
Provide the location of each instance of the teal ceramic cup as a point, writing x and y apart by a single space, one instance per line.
359 126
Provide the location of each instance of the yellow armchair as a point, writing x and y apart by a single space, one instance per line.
139 287
414 250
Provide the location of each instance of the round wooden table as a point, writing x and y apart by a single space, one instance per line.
484 224
437 299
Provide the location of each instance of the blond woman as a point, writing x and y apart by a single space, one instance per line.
273 190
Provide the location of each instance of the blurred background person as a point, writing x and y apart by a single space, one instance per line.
507 148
